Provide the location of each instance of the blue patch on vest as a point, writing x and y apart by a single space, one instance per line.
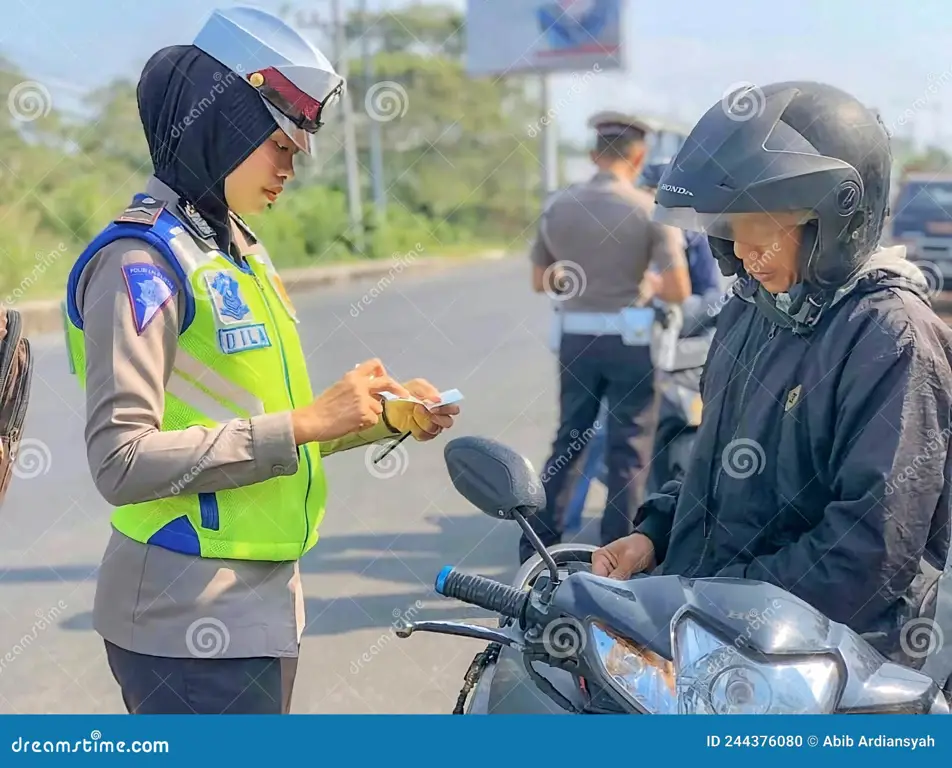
149 289
178 536
242 338
226 294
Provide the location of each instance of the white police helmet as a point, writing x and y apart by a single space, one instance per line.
295 80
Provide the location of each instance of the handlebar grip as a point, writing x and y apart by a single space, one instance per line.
486 593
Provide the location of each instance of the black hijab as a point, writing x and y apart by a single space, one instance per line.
201 122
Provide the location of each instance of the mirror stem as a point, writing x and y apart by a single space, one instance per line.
540 548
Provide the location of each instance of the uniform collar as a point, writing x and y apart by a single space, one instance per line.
604 176
191 218
161 191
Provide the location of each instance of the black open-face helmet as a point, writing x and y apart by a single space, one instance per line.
787 147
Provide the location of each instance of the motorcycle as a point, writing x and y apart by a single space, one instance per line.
653 644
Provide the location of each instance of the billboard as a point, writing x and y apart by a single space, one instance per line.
538 36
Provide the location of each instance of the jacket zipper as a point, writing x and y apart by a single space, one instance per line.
708 527
287 382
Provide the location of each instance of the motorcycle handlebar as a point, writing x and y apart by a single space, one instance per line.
486 593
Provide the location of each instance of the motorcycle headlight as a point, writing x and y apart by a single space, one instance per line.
644 677
714 677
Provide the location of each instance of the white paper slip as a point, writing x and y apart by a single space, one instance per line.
449 397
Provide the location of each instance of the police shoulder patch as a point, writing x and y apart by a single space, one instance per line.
149 289
145 210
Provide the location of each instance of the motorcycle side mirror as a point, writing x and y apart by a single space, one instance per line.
500 482
492 477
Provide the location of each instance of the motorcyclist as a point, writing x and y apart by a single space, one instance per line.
822 461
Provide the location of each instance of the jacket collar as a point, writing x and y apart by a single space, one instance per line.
886 268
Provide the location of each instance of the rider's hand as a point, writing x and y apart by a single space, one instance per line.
351 405
624 557
422 424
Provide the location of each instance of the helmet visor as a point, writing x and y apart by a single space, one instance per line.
761 228
296 112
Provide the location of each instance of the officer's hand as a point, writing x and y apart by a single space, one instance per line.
650 285
624 557
350 405
422 424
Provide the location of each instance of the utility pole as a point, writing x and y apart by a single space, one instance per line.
337 33
376 141
350 137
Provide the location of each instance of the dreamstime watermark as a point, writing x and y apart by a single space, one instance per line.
564 280
564 637
743 458
33 459
574 90
29 101
393 464
921 637
401 620
743 101
935 282
938 442
207 637
179 485
43 262
386 101
95 744
44 620
579 441
221 83
714 309
936 84
400 263
754 620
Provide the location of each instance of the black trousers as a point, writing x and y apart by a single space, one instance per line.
593 367
155 685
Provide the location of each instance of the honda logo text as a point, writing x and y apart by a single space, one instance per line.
677 190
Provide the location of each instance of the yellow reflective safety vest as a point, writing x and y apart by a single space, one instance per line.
238 355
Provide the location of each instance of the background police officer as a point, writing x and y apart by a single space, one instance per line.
593 248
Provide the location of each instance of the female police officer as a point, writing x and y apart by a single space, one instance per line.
202 428
821 464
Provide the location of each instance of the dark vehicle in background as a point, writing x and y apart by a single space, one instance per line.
922 221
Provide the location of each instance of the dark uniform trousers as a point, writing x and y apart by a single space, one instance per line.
155 685
593 367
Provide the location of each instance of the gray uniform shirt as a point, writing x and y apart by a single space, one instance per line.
604 228
149 599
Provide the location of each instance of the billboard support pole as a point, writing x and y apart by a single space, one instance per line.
550 142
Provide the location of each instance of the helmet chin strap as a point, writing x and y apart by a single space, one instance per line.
800 309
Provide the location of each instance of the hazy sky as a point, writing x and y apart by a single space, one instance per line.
682 55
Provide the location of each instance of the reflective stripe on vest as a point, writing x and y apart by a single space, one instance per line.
238 356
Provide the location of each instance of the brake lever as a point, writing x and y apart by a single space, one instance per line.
459 629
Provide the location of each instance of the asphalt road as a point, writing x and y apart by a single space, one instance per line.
475 327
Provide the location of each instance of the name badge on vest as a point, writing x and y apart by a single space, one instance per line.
243 338
225 293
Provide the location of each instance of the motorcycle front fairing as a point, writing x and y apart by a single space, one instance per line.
756 620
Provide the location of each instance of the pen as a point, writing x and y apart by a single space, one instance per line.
390 448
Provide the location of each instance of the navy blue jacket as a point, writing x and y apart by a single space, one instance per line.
822 462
